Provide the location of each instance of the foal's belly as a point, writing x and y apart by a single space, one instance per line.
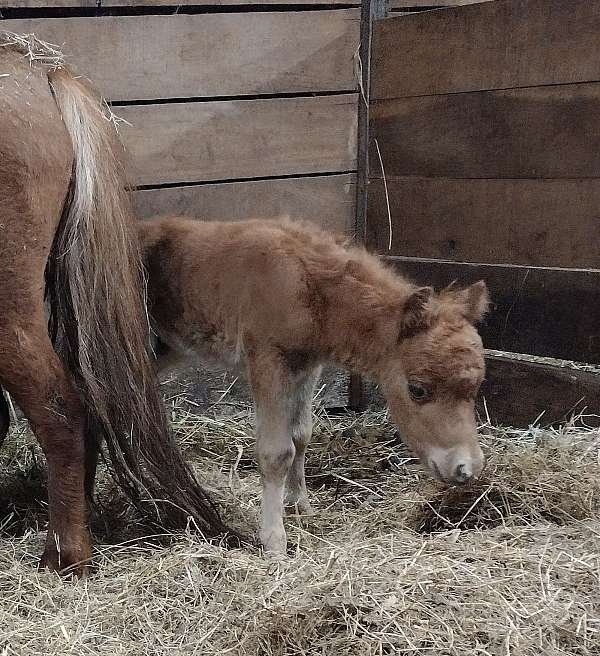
209 349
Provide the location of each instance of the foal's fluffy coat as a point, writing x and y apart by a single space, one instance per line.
281 298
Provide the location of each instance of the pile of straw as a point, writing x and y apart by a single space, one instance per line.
392 563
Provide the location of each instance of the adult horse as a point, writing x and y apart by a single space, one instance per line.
66 231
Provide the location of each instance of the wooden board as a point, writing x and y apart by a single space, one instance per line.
175 3
518 393
491 45
430 4
328 201
544 132
189 142
531 222
52 4
206 55
547 312
363 131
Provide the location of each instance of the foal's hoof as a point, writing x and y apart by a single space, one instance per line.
299 507
274 543
67 562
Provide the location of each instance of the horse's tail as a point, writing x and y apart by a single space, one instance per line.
95 286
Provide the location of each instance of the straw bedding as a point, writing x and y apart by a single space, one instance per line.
391 563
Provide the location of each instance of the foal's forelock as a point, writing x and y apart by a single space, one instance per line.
465 383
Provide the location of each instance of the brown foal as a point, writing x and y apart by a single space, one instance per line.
282 299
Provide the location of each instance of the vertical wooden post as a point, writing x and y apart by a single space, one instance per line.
370 10
356 397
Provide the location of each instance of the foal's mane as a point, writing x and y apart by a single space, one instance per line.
352 272
379 286
333 256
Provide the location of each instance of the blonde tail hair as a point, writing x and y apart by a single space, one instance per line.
98 319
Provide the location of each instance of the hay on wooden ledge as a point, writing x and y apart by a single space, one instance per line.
392 563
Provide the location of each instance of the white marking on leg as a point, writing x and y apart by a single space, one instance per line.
276 452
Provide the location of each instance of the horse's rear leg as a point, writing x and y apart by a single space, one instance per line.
301 396
4 417
32 372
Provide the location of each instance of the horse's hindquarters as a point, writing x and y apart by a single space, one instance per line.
35 169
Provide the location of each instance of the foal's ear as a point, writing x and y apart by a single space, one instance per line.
476 300
415 313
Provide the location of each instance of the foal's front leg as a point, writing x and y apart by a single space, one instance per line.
270 379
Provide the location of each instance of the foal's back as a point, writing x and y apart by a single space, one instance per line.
221 280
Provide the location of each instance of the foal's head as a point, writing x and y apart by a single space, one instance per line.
432 376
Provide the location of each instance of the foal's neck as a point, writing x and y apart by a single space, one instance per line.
364 306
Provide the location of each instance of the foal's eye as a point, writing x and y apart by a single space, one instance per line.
418 392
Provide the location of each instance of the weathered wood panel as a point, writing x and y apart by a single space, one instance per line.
53 4
328 201
518 393
543 132
188 142
403 4
492 45
531 222
547 312
206 55
175 3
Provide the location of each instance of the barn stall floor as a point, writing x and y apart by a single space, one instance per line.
391 563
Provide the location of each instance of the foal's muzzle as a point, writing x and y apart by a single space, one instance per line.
456 466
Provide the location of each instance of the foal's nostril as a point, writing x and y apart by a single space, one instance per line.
463 474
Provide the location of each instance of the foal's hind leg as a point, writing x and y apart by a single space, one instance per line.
302 395
4 418
270 380
32 372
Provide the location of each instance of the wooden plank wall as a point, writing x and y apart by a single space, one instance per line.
487 119
397 7
232 112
